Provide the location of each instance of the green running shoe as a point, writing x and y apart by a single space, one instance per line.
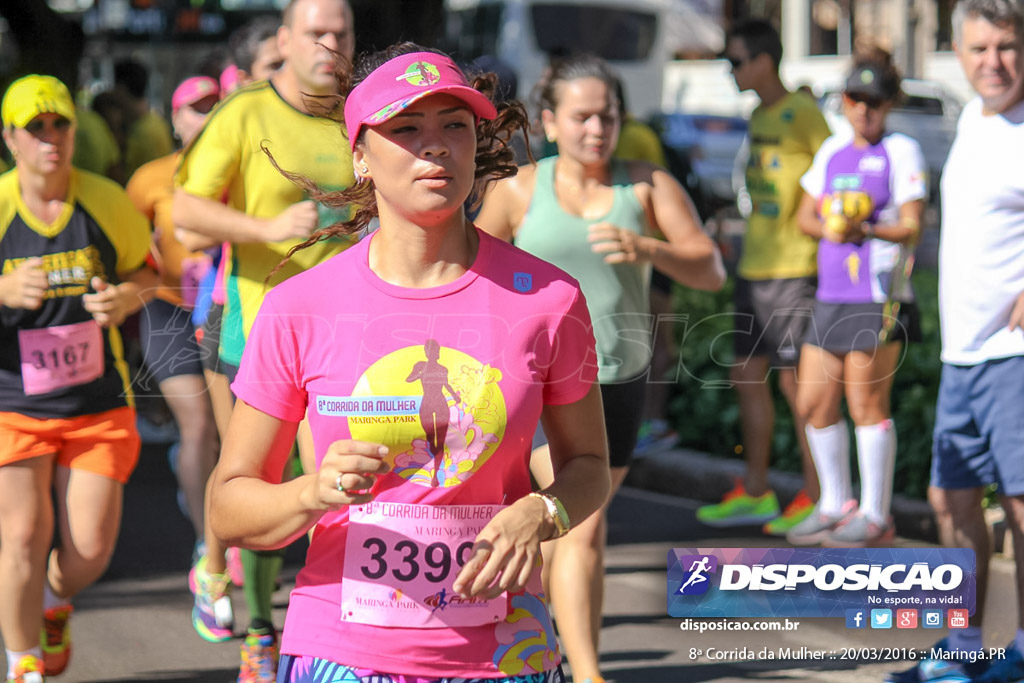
796 512
739 509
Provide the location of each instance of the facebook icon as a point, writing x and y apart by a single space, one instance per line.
855 618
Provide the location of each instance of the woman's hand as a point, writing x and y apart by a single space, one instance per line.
346 475
506 551
620 246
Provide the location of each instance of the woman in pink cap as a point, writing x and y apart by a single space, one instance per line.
424 561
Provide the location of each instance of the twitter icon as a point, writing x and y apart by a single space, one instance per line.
881 618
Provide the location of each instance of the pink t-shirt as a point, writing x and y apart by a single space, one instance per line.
452 379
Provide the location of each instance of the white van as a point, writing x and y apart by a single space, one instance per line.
629 34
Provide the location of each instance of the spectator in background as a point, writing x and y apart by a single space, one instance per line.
595 217
73 252
147 134
775 283
168 337
96 148
265 215
864 199
979 419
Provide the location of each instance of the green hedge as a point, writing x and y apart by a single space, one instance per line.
703 407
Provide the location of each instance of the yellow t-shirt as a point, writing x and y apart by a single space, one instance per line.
639 142
149 138
227 158
783 140
96 148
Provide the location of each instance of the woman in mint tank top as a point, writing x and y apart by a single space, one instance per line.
596 218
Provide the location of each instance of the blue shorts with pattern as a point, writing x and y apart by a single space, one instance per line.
306 669
979 426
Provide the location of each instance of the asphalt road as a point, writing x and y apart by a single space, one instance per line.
134 624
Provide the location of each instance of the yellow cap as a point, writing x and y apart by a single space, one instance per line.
33 95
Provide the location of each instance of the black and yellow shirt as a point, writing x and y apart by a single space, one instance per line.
98 233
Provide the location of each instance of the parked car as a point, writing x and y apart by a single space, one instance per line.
710 143
927 112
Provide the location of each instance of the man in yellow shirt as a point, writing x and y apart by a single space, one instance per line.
266 214
776 276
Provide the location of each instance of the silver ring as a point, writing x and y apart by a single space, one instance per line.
337 483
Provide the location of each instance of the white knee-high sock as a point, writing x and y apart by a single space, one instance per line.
830 449
876 454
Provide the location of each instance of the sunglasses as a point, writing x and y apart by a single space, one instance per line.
37 126
871 101
737 63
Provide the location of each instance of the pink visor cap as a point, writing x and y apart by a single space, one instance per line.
400 82
193 89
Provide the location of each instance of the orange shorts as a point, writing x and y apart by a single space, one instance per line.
106 443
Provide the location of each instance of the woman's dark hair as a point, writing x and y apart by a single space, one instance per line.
879 60
571 68
495 158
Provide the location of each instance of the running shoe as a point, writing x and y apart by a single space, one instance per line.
55 639
858 531
739 509
233 557
29 669
212 616
819 525
941 670
259 658
655 435
1004 670
797 511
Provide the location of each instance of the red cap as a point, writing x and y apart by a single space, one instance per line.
401 81
193 89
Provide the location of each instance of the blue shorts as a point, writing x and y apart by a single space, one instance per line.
306 669
979 427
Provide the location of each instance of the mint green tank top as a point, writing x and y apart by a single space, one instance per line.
617 294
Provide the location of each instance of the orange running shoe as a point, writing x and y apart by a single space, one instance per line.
56 639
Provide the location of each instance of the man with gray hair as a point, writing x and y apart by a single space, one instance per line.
979 421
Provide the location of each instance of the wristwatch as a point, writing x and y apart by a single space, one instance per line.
868 229
559 517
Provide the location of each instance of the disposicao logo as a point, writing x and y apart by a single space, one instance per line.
807 582
696 581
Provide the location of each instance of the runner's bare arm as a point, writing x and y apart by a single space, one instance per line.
194 241
505 204
1017 314
687 254
226 224
508 546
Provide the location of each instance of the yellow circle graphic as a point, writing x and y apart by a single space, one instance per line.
439 411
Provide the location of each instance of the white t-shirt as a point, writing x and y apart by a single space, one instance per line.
981 251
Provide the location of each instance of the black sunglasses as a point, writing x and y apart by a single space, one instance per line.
871 101
737 63
37 125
